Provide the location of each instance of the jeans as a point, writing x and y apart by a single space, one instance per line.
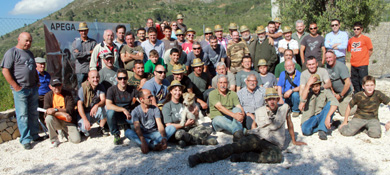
115 118
293 101
26 104
152 138
100 115
227 123
316 122
357 74
81 77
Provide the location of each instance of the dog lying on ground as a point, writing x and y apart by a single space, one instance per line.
189 105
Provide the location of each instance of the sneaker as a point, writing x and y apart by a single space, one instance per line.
322 135
55 143
62 136
295 114
27 146
117 139
193 160
86 133
103 132
237 136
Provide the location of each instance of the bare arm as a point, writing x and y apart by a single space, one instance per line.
346 87
144 145
226 111
112 106
323 54
302 54
10 80
347 112
290 127
370 52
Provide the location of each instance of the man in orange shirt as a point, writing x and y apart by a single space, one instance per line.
360 47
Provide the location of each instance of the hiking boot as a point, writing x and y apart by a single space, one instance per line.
237 136
193 160
322 135
117 139
27 146
295 114
39 139
103 131
182 144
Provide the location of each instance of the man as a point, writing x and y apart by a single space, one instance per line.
178 74
216 54
201 82
218 31
102 49
318 106
276 36
288 86
180 37
150 24
337 40
139 77
225 109
169 42
236 49
119 103
120 31
264 142
196 52
287 43
182 55
141 35
180 23
312 68
108 73
44 80
246 34
288 55
90 104
59 107
278 28
131 52
19 70
313 45
242 75
262 49
175 56
340 78
232 27
223 70
82 50
153 43
149 130
298 36
206 41
251 98
361 49
158 85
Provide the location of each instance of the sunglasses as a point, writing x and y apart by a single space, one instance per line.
190 35
314 28
150 96
197 48
122 78
334 25
356 28
179 35
160 72
174 25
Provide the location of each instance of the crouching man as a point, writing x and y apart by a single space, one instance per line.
263 144
148 130
59 107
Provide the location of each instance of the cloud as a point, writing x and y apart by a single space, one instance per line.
34 7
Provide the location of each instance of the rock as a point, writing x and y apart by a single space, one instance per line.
7 114
5 136
1 140
16 134
3 125
10 124
13 119
15 127
10 130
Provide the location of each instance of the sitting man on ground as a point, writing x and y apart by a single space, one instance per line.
90 104
318 106
263 143
366 115
288 87
59 107
148 130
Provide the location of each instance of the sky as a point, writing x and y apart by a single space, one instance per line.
15 13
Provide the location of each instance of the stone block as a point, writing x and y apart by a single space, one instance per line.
16 134
15 127
10 130
7 114
3 125
1 140
10 124
13 119
5 136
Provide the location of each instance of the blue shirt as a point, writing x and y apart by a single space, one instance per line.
147 46
158 91
285 84
45 81
340 37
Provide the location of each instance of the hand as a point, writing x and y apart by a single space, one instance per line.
239 117
323 61
77 51
203 104
87 124
299 143
281 101
312 79
334 46
189 122
342 125
90 51
164 144
288 93
68 118
337 96
50 111
17 88
271 41
327 123
301 106
144 146
251 116
127 113
93 111
387 126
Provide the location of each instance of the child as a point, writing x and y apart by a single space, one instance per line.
268 79
153 61
366 115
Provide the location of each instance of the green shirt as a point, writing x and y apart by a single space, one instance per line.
367 107
229 101
280 68
149 65
317 102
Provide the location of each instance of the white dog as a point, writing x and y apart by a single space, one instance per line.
189 105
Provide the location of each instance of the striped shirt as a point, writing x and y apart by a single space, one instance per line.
250 101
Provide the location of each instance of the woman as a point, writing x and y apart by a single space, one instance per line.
174 28
189 134
187 46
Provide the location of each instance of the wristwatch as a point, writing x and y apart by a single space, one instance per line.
341 96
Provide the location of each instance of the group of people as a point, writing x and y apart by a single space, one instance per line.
249 85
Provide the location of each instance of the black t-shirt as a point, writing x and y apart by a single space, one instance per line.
122 98
185 81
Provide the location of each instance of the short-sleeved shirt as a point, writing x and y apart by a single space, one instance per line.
187 47
214 56
95 98
45 81
268 80
191 56
172 112
241 77
359 48
22 67
184 81
285 84
204 44
146 120
108 77
231 79
158 91
169 44
367 106
295 37
337 75
313 46
229 102
149 65
317 102
320 71
250 101
122 98
201 83
83 56
133 51
280 68
292 44
147 47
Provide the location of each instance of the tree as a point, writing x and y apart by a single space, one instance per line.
368 12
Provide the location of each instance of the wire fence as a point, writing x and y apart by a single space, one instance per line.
10 24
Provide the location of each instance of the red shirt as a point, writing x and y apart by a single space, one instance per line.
359 48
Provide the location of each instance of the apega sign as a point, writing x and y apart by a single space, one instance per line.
59 36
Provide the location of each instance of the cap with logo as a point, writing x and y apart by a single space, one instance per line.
55 81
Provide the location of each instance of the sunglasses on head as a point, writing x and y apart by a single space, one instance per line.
122 78
313 28
160 72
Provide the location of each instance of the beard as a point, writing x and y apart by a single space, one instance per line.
290 72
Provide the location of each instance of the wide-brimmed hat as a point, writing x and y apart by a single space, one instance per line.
318 79
83 26
175 83
179 16
271 93
232 26
197 62
177 69
262 62
277 19
260 29
244 28
287 29
190 30
208 30
55 81
179 32
40 60
218 28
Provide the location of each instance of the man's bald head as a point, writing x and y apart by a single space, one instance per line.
289 65
24 41
108 36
